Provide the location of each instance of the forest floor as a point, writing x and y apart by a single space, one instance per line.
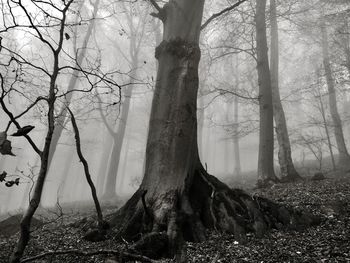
327 242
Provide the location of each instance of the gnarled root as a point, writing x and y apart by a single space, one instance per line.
161 225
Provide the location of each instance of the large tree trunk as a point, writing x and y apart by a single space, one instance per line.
177 198
266 171
288 171
344 157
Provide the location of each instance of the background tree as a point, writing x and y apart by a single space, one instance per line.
344 157
266 171
288 171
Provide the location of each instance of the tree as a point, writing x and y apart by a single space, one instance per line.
177 198
288 172
344 157
137 34
46 26
236 151
266 171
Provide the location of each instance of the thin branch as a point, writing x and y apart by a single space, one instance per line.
86 169
14 121
216 15
236 94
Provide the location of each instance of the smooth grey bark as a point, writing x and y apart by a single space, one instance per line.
266 171
343 157
288 171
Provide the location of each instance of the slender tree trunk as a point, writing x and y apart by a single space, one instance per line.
118 139
237 158
266 171
343 158
236 151
102 171
325 124
123 170
288 171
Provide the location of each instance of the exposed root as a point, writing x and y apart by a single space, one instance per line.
162 224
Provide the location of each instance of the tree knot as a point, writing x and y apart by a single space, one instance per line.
179 48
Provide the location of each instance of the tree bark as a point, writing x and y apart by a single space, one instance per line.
344 157
288 171
266 171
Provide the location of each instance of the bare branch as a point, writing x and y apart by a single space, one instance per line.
226 10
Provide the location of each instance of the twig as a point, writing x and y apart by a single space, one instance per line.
126 255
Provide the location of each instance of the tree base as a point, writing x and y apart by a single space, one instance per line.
161 225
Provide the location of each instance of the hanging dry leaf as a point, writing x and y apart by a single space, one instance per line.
3 176
6 148
23 131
